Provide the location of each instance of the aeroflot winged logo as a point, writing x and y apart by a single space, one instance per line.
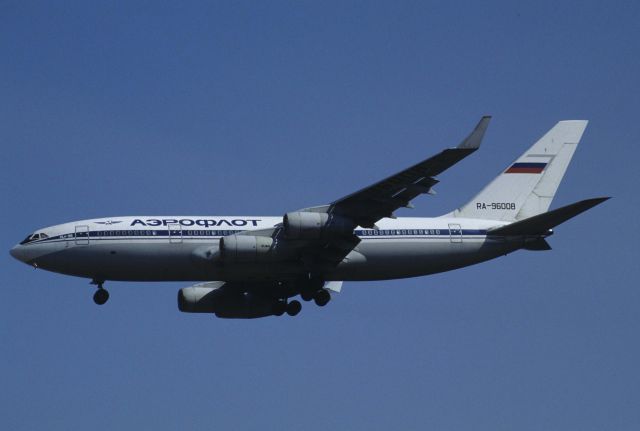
196 222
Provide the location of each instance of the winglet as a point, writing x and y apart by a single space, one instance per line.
473 141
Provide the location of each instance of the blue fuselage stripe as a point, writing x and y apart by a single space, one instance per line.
210 234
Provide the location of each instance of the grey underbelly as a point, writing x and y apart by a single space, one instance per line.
401 259
372 260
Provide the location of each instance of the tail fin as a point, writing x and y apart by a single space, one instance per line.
527 187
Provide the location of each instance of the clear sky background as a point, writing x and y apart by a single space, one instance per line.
238 108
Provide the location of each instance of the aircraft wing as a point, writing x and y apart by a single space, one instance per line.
365 207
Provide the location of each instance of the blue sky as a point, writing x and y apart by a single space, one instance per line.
123 108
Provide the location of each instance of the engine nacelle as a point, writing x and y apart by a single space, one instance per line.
201 299
312 225
245 248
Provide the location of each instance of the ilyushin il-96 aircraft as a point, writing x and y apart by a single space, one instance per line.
249 267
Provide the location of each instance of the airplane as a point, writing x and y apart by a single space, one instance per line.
251 267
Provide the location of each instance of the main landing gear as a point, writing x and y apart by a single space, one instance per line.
321 296
292 308
102 295
312 289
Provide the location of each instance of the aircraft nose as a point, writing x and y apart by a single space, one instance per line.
18 252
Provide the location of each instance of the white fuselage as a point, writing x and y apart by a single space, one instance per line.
169 248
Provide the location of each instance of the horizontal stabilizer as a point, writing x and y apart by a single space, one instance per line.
541 223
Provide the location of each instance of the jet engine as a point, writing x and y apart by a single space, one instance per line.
312 225
203 299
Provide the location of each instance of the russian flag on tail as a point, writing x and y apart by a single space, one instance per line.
526 168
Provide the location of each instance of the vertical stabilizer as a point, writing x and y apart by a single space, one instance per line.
527 186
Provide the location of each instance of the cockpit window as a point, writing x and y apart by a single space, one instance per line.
34 237
27 239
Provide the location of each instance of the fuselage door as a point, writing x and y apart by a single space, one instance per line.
455 232
175 233
82 235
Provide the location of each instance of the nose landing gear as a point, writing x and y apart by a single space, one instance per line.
102 295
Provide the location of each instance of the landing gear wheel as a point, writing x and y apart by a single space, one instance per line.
322 298
279 308
101 296
306 295
293 308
